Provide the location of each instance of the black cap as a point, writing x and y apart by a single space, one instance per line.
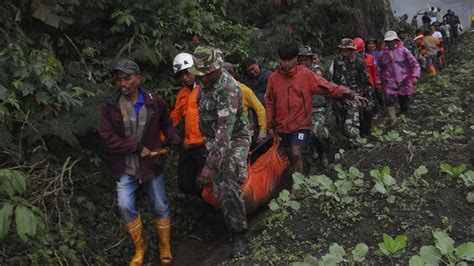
127 66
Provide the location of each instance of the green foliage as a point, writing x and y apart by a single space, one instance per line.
454 171
27 217
384 183
393 247
444 251
283 202
364 143
392 136
339 155
321 185
417 175
468 180
337 256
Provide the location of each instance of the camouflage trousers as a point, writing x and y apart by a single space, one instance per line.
227 185
320 127
350 116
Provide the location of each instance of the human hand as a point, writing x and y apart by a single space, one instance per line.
262 136
207 175
145 152
270 133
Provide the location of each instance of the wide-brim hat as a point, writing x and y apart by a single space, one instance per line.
206 59
390 36
346 43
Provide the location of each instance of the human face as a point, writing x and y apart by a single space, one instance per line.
127 83
187 78
346 53
403 35
391 44
305 60
288 65
210 79
371 46
253 70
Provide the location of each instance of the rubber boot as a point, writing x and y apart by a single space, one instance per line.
321 148
164 233
239 243
135 229
392 115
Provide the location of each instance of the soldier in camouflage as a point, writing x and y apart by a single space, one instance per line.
349 70
319 128
227 138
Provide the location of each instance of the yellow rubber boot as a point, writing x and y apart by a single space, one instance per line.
135 229
164 232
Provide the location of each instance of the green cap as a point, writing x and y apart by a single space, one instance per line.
206 60
128 66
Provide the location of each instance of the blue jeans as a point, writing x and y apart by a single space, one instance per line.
127 192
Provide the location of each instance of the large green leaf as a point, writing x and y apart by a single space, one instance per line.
5 218
431 255
465 251
416 261
444 243
18 180
325 183
360 251
5 182
26 222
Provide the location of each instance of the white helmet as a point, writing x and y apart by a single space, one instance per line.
182 61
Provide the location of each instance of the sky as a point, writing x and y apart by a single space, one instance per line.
462 8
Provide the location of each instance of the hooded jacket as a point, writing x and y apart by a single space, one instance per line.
289 99
398 67
112 134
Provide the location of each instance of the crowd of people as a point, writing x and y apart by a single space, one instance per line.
430 41
225 113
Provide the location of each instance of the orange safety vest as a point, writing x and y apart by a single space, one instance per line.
187 106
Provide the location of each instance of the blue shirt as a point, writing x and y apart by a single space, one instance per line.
139 104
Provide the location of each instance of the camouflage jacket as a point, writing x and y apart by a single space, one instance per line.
351 73
221 118
318 100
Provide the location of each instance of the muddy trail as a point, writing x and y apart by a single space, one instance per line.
438 129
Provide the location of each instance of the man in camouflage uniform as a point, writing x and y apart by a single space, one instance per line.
349 70
227 138
320 128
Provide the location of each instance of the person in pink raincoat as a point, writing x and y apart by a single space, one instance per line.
399 72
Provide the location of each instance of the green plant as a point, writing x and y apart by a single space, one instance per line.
468 179
336 256
28 218
364 143
321 185
283 202
377 132
392 136
384 183
409 133
339 155
454 171
444 251
393 247
417 174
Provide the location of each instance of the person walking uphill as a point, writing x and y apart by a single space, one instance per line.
193 154
227 139
350 70
131 120
289 102
399 72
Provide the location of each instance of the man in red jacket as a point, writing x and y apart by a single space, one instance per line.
289 102
131 120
